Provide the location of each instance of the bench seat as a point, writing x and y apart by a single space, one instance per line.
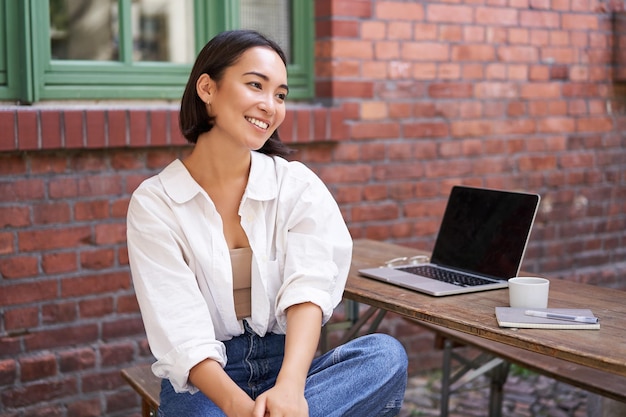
590 379
147 385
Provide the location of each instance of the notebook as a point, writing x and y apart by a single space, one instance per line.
516 317
483 236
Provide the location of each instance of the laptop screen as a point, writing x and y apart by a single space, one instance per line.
485 231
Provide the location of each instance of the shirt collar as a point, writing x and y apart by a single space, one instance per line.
178 182
262 182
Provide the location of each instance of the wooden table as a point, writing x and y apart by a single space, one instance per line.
474 313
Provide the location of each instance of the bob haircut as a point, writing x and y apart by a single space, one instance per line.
217 55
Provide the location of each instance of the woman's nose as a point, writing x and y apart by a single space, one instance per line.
267 105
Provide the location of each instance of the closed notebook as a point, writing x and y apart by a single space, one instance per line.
516 317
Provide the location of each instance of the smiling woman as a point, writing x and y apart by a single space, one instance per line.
254 88
239 257
196 116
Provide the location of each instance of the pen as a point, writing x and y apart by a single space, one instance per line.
558 316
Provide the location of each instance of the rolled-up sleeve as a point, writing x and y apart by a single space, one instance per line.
176 317
318 247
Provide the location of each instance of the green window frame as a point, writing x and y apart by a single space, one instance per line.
3 50
8 49
28 74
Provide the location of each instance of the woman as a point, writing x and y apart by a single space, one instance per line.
238 257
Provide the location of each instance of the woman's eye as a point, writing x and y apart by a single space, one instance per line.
281 96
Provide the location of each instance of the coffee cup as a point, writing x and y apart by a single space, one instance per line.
528 292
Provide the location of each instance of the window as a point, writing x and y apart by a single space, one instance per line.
135 49
90 30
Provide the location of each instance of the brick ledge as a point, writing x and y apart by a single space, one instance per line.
95 127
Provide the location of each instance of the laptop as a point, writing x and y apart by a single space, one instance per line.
480 244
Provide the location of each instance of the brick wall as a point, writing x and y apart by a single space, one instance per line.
517 94
411 99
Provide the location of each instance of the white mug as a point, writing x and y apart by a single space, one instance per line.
528 292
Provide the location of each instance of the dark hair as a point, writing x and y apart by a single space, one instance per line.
217 55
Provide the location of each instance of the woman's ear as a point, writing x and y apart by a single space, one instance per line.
205 87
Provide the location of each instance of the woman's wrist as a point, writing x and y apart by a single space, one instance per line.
239 406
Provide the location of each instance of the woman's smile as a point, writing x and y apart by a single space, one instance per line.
258 123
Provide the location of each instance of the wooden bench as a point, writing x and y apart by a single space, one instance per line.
147 385
495 362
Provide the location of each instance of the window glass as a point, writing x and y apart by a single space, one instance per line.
270 17
161 30
84 29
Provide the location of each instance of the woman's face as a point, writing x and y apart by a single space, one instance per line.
248 103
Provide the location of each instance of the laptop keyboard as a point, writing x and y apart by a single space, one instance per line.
451 277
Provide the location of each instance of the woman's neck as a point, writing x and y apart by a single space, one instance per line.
213 163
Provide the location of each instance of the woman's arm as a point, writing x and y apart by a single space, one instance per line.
304 323
210 378
286 398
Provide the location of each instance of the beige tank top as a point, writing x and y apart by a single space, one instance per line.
241 259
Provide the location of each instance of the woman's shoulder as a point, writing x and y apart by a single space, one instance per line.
173 181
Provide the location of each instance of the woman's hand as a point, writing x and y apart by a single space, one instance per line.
283 400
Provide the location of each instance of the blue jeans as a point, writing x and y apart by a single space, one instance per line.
366 377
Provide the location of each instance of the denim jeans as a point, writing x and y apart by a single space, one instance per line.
365 377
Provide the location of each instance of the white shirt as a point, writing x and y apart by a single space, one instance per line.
181 268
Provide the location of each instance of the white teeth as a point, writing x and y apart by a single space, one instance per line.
257 122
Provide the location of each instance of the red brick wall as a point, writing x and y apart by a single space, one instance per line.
411 99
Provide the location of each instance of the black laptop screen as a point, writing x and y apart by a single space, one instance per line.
485 231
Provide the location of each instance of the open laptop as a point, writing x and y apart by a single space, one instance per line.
480 245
